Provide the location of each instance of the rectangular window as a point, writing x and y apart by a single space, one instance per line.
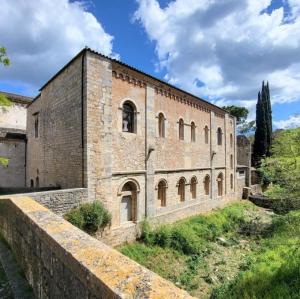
36 124
241 173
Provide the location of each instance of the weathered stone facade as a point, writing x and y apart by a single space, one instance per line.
13 140
82 142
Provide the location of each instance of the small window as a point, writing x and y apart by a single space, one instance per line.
193 132
181 129
206 134
219 136
161 193
36 125
231 181
37 182
181 189
206 184
31 183
161 125
194 187
129 118
241 173
231 140
231 161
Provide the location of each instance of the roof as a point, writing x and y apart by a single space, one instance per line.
11 133
87 49
17 98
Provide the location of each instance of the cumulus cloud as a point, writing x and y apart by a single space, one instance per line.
222 50
41 36
292 122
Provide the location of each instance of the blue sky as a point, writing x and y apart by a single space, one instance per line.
229 47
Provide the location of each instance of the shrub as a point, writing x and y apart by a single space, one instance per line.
89 217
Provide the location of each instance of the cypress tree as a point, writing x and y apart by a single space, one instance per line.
269 119
260 140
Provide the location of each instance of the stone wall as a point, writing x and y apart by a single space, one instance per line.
61 201
55 156
13 117
12 175
60 261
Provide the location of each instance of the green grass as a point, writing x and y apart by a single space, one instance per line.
188 253
274 270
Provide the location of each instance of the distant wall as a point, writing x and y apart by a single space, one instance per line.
61 201
12 175
61 261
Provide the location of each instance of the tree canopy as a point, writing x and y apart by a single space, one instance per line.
263 133
241 113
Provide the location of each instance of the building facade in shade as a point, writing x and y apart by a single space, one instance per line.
140 145
13 140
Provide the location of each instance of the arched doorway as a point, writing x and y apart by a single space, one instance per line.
194 187
220 184
128 205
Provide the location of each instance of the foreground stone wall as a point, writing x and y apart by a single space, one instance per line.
60 261
61 201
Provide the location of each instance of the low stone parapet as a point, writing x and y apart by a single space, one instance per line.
60 201
61 261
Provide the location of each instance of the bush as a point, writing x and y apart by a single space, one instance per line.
89 217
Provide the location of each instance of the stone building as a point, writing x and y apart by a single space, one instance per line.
138 144
13 140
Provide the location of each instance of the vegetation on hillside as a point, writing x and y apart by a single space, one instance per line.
240 251
89 217
282 169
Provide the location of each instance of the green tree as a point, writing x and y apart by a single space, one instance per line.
4 101
263 133
260 137
241 113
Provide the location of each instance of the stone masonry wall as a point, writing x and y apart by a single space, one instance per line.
12 175
60 201
60 261
55 156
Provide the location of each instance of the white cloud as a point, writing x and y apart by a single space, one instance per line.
292 122
230 46
41 36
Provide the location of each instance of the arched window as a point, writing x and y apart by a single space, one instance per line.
161 125
181 129
219 136
31 183
206 134
129 117
193 132
231 140
194 187
206 184
231 161
220 184
161 193
181 189
231 181
128 203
